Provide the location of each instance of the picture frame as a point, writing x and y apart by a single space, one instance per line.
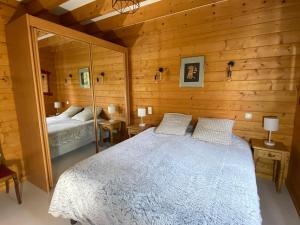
191 71
84 78
45 78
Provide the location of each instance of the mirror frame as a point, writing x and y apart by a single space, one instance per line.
34 24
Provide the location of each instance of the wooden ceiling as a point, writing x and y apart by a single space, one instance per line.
97 16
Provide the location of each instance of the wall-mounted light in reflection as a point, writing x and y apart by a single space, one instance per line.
68 79
100 78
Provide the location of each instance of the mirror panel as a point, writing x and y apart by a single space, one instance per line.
110 94
67 82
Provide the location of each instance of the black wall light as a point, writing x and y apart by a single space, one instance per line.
101 77
158 75
69 77
230 65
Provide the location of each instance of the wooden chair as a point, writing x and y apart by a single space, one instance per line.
6 175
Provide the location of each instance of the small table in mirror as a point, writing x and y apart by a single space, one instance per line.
113 126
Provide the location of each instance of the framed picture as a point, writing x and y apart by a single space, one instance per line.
192 72
84 78
45 82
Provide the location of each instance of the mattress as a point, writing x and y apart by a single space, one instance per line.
161 180
66 134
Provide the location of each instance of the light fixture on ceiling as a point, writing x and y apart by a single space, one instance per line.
126 6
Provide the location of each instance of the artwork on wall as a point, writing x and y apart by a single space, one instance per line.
192 72
84 78
45 82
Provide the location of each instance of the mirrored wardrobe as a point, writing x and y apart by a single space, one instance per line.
68 99
71 94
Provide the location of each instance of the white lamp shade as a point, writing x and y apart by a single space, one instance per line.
111 108
57 105
271 123
141 112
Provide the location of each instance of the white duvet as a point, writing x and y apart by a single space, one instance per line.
161 180
66 134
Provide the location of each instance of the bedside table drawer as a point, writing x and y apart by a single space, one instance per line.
269 155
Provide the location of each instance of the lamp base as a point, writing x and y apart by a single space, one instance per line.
142 124
269 143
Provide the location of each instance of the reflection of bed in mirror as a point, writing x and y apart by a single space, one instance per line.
66 134
61 54
72 129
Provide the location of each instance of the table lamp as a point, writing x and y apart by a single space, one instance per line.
142 113
57 106
111 110
271 123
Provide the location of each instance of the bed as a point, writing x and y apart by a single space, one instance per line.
66 134
161 180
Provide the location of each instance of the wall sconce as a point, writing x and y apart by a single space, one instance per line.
230 64
100 77
69 77
5 78
158 75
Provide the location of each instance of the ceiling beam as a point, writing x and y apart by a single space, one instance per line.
153 11
36 6
12 3
86 12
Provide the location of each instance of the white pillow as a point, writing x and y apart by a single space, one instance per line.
174 123
71 111
87 114
217 131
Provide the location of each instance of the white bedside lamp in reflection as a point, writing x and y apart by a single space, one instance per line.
271 123
111 110
57 106
142 113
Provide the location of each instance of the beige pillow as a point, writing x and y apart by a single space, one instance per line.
174 123
71 111
87 114
217 131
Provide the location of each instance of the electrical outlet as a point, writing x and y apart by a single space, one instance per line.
149 109
248 116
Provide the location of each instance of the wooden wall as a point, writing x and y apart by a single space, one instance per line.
263 39
69 58
47 64
293 181
66 57
9 131
110 89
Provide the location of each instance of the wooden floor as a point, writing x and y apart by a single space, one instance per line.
277 209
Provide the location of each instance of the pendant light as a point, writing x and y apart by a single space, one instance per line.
126 6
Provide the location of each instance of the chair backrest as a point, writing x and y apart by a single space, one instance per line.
1 156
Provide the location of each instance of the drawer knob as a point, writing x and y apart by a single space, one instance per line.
271 155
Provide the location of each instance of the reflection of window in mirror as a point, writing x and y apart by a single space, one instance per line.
45 82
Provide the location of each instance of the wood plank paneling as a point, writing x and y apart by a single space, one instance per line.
262 37
47 64
9 130
69 58
111 88
27 103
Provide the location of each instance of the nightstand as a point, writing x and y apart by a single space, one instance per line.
136 129
280 156
114 127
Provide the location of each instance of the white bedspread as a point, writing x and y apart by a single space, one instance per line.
161 180
66 134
